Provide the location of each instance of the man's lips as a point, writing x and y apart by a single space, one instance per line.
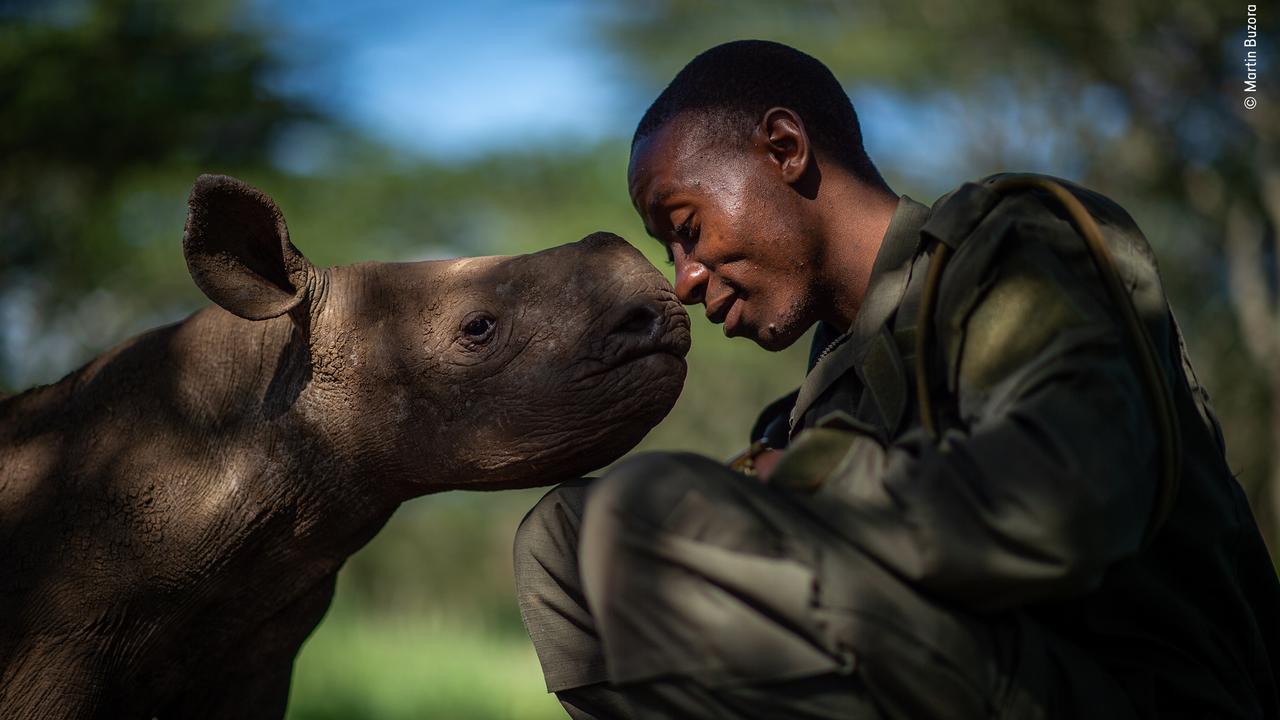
728 310
732 318
717 312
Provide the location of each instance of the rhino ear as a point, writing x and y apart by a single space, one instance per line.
238 251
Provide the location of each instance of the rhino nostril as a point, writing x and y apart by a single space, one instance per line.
640 320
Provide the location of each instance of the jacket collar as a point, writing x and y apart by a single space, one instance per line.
833 354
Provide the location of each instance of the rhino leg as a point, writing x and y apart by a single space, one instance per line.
254 683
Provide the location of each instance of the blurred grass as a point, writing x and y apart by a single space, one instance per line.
415 667
424 623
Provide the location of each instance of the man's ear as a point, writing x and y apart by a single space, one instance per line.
784 137
238 251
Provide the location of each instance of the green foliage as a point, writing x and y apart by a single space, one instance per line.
100 96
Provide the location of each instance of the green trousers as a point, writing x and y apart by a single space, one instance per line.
675 588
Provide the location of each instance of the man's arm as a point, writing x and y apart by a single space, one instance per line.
1051 477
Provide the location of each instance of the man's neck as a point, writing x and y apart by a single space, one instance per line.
855 218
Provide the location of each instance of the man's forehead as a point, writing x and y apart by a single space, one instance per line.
667 155
651 157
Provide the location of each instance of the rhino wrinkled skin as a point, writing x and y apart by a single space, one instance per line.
174 513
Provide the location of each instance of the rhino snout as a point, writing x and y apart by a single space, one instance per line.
642 321
647 326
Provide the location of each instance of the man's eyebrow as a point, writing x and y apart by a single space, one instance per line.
655 205
659 199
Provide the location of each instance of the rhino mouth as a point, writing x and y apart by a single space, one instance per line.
673 347
651 330
660 328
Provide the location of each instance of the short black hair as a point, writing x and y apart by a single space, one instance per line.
737 82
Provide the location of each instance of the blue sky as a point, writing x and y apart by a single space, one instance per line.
455 79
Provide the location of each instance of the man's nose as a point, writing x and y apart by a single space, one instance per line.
691 281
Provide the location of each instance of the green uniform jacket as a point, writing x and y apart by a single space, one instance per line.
1043 485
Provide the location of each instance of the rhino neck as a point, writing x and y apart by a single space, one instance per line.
202 423
290 442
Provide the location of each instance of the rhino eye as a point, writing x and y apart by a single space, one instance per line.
478 327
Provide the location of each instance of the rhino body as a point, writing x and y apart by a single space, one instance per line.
174 513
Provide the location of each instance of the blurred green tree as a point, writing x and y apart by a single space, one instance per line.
94 93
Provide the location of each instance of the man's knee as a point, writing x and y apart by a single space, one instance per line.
643 491
548 535
683 573
633 507
638 493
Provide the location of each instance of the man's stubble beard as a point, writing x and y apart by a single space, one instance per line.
799 315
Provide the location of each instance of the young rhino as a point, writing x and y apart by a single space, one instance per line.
173 514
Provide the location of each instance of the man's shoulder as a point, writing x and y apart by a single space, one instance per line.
1023 271
995 201
1010 217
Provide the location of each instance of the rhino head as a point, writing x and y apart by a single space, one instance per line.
479 373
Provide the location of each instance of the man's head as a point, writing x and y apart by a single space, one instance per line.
726 170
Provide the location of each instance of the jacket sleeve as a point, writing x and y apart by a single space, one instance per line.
1049 476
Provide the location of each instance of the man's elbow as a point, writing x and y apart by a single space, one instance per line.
1018 569
1075 555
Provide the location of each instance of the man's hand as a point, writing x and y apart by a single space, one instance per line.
765 462
816 455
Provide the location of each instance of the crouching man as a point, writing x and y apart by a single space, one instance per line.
999 492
